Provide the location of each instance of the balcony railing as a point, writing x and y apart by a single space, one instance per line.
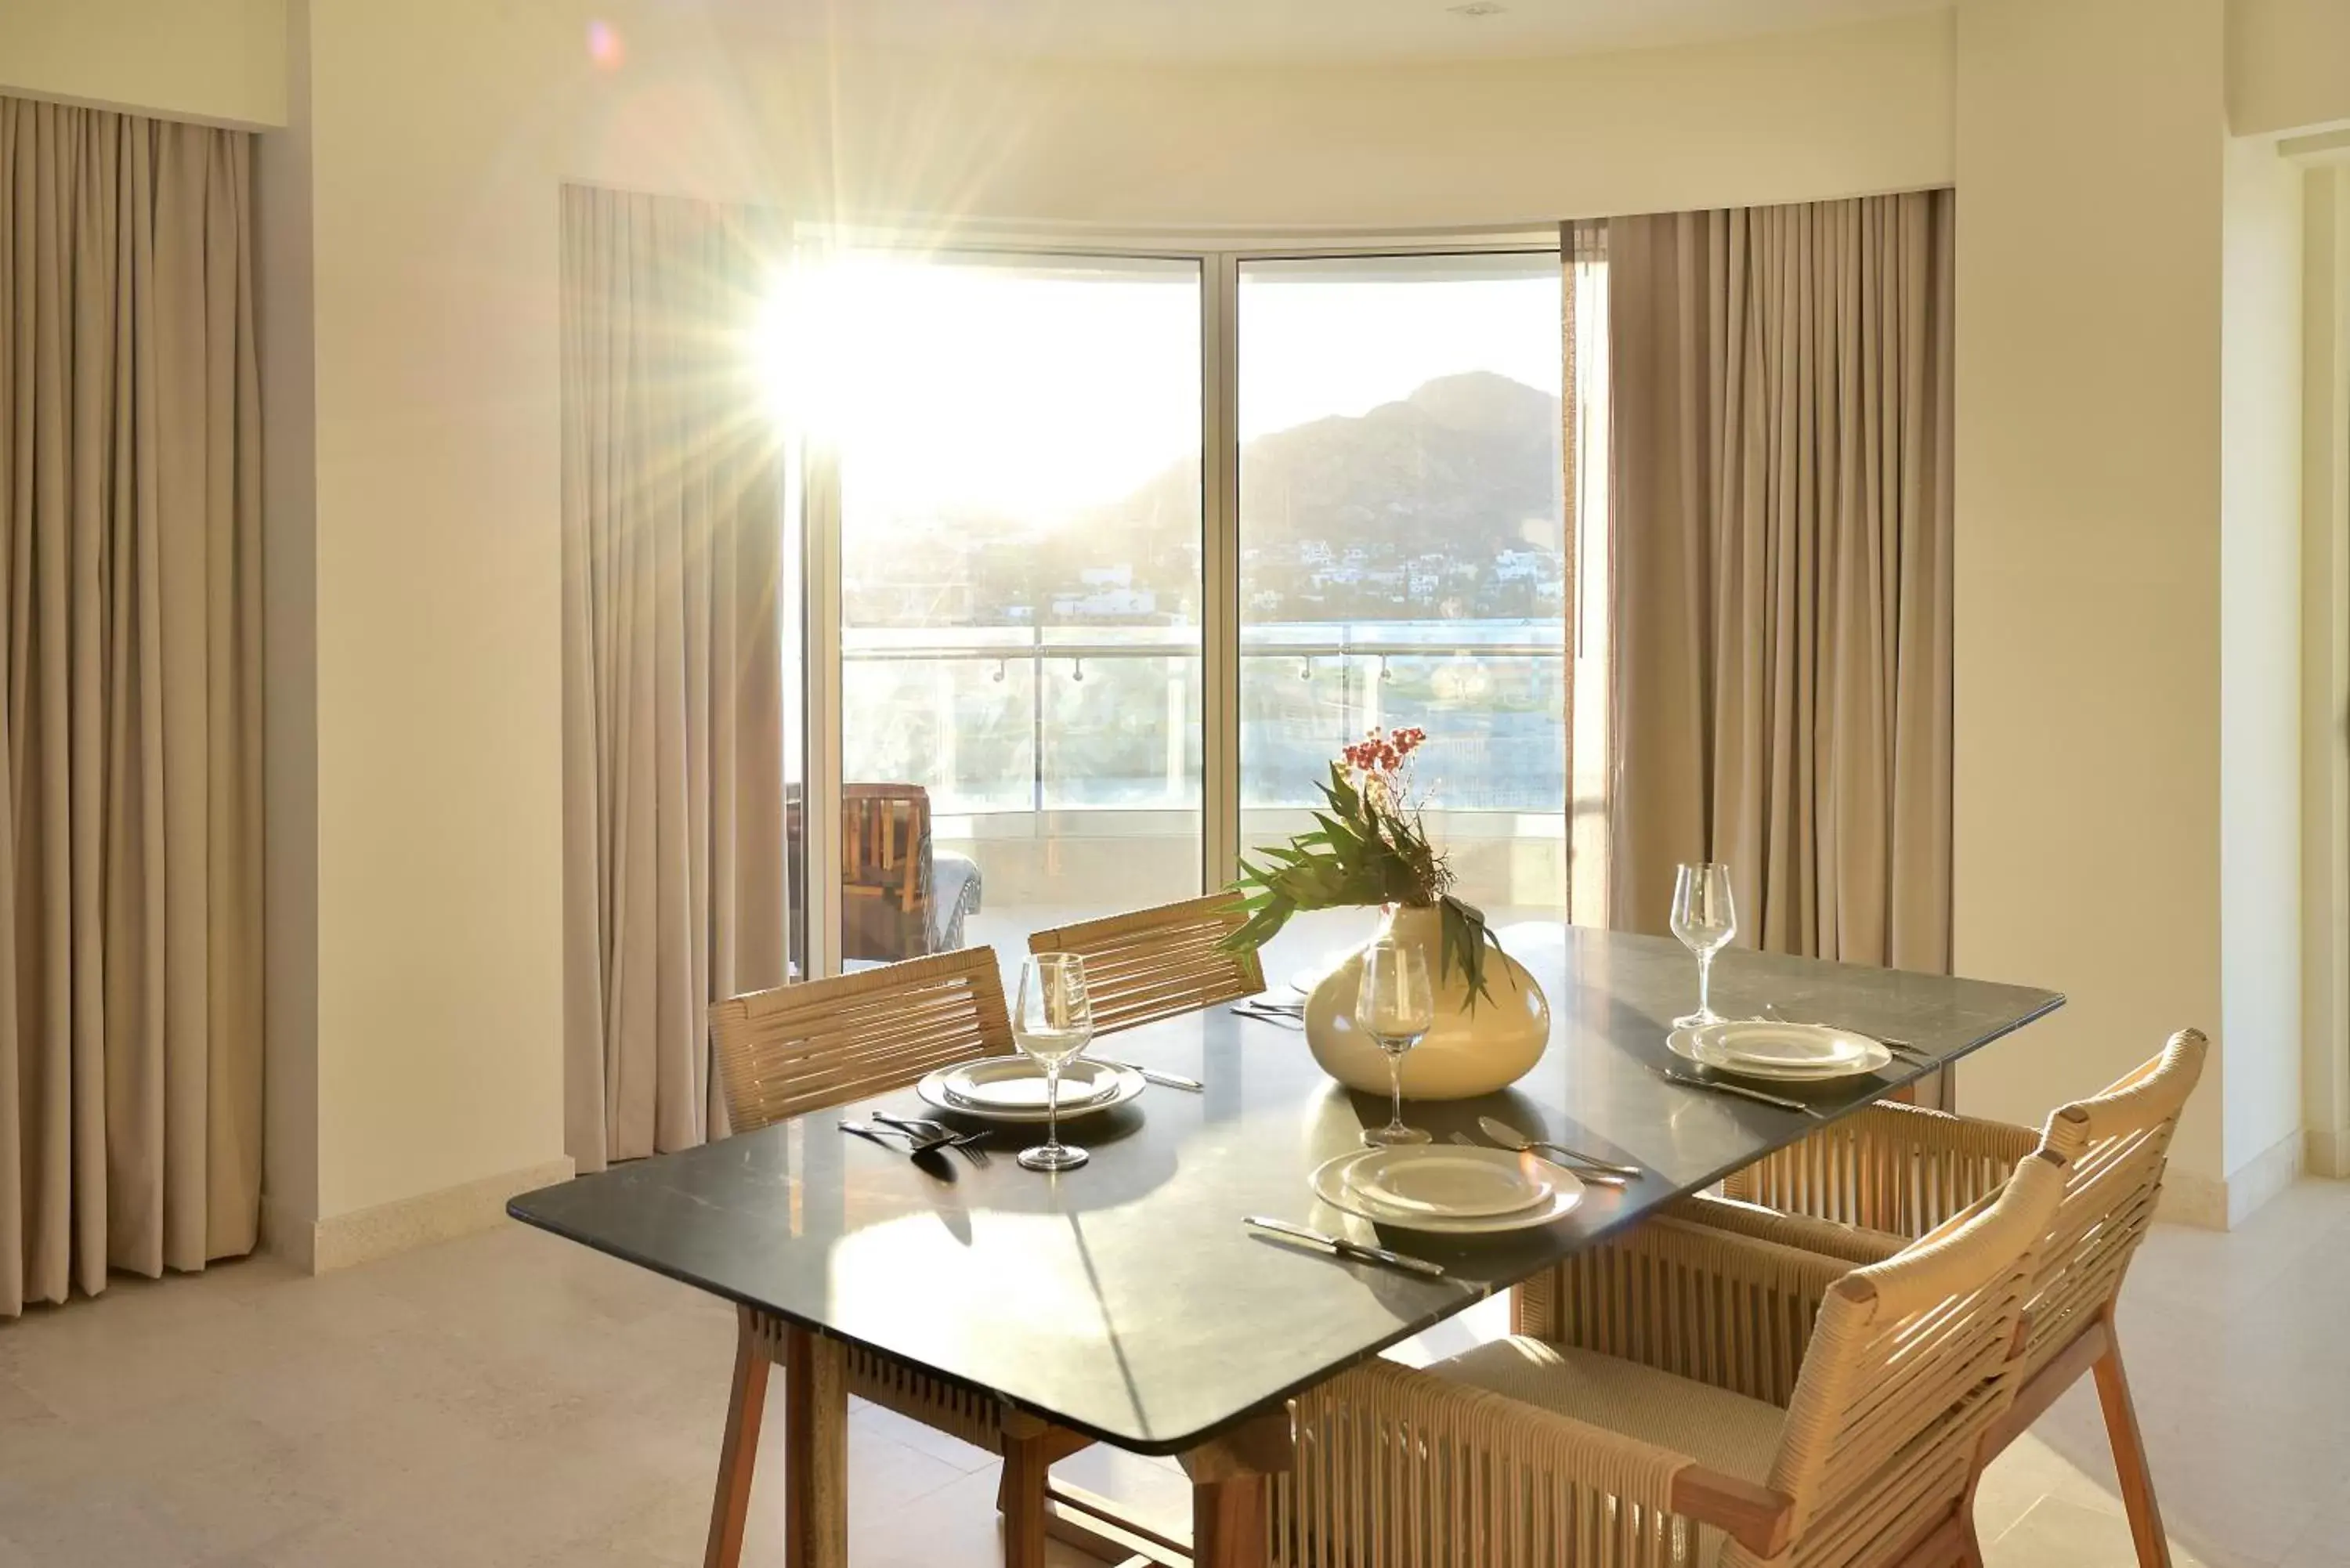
1058 719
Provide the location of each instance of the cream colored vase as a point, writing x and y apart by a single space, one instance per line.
1467 1053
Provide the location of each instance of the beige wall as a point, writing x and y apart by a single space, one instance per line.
2288 64
2325 666
2102 604
2259 656
221 60
439 886
438 1004
1794 116
2088 560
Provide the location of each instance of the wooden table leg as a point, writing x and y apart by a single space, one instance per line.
1020 1496
1228 1523
747 1402
1228 1492
815 1452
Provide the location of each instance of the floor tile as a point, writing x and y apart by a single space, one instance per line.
2053 1530
509 1400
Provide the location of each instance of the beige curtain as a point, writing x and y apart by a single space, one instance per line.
131 1045
1781 454
672 662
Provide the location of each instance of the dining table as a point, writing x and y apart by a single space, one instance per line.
1126 1301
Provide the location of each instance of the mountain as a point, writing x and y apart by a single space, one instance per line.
1462 464
1467 465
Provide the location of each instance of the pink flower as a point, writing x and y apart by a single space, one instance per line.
1383 754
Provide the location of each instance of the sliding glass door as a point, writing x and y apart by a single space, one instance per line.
1015 444
1107 555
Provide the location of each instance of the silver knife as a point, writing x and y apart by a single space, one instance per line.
1742 1092
1340 1246
1155 1075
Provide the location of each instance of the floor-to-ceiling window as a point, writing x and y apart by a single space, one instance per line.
1115 552
1403 553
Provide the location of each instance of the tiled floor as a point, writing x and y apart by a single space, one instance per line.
513 1400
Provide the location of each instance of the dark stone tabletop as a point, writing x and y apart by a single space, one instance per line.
1124 1299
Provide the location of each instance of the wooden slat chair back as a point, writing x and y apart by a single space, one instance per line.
1911 1362
1895 1168
825 1043
1885 1377
1859 1189
1892 1172
2117 1146
1156 964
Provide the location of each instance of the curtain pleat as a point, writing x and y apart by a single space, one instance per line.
130 1043
673 535
1782 602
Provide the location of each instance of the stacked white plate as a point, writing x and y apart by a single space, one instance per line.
1012 1088
1781 1052
1449 1189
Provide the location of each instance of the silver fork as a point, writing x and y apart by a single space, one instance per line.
938 1135
1508 1137
917 1143
1582 1174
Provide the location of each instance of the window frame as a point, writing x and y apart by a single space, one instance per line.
1219 256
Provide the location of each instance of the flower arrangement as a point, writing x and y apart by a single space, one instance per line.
1368 846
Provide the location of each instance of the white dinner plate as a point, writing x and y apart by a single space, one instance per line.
1018 1084
1330 1186
1781 1052
1080 1080
1773 1042
1448 1180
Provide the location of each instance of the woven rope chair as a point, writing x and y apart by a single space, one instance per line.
1702 1398
1156 964
824 1043
1857 1190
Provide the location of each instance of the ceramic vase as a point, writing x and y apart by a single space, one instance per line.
1469 1051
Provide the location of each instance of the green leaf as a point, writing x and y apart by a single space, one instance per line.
1360 851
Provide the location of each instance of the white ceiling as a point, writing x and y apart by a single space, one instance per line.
1291 31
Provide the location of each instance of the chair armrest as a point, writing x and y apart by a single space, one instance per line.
1693 1300
1382 1444
1846 1243
1902 1170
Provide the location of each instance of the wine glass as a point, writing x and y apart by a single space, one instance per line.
1705 920
1395 1005
1053 1021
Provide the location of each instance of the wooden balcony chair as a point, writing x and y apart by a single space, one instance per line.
1691 1397
1859 1189
1155 964
824 1043
886 872
902 896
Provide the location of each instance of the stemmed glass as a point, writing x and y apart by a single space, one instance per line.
1053 1021
1395 1005
1705 920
